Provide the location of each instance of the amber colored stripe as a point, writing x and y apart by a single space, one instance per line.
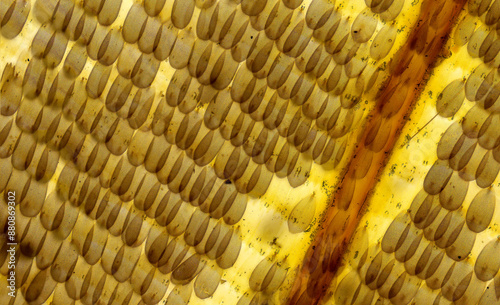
408 73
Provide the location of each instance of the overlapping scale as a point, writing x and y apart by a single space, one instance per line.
137 136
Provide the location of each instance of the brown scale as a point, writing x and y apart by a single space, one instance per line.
473 121
473 7
470 170
452 137
183 92
97 80
383 42
118 94
93 7
480 211
151 285
486 45
334 79
313 58
492 53
487 171
464 30
109 11
43 10
490 101
92 241
409 246
302 90
11 91
107 50
389 283
456 281
461 154
279 16
34 78
260 13
187 130
355 66
50 46
46 162
419 260
327 27
127 183
23 151
487 266
144 71
339 38
185 41
150 154
493 14
448 230
450 99
135 230
206 282
350 280
228 161
127 59
13 18
437 177
32 236
205 239
223 24
32 195
475 80
267 276
6 167
171 257
442 228
187 270
173 215
38 287
379 6
258 60
295 39
10 134
208 63
164 41
488 136
219 199
73 101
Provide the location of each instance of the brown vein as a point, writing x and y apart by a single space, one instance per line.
409 70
